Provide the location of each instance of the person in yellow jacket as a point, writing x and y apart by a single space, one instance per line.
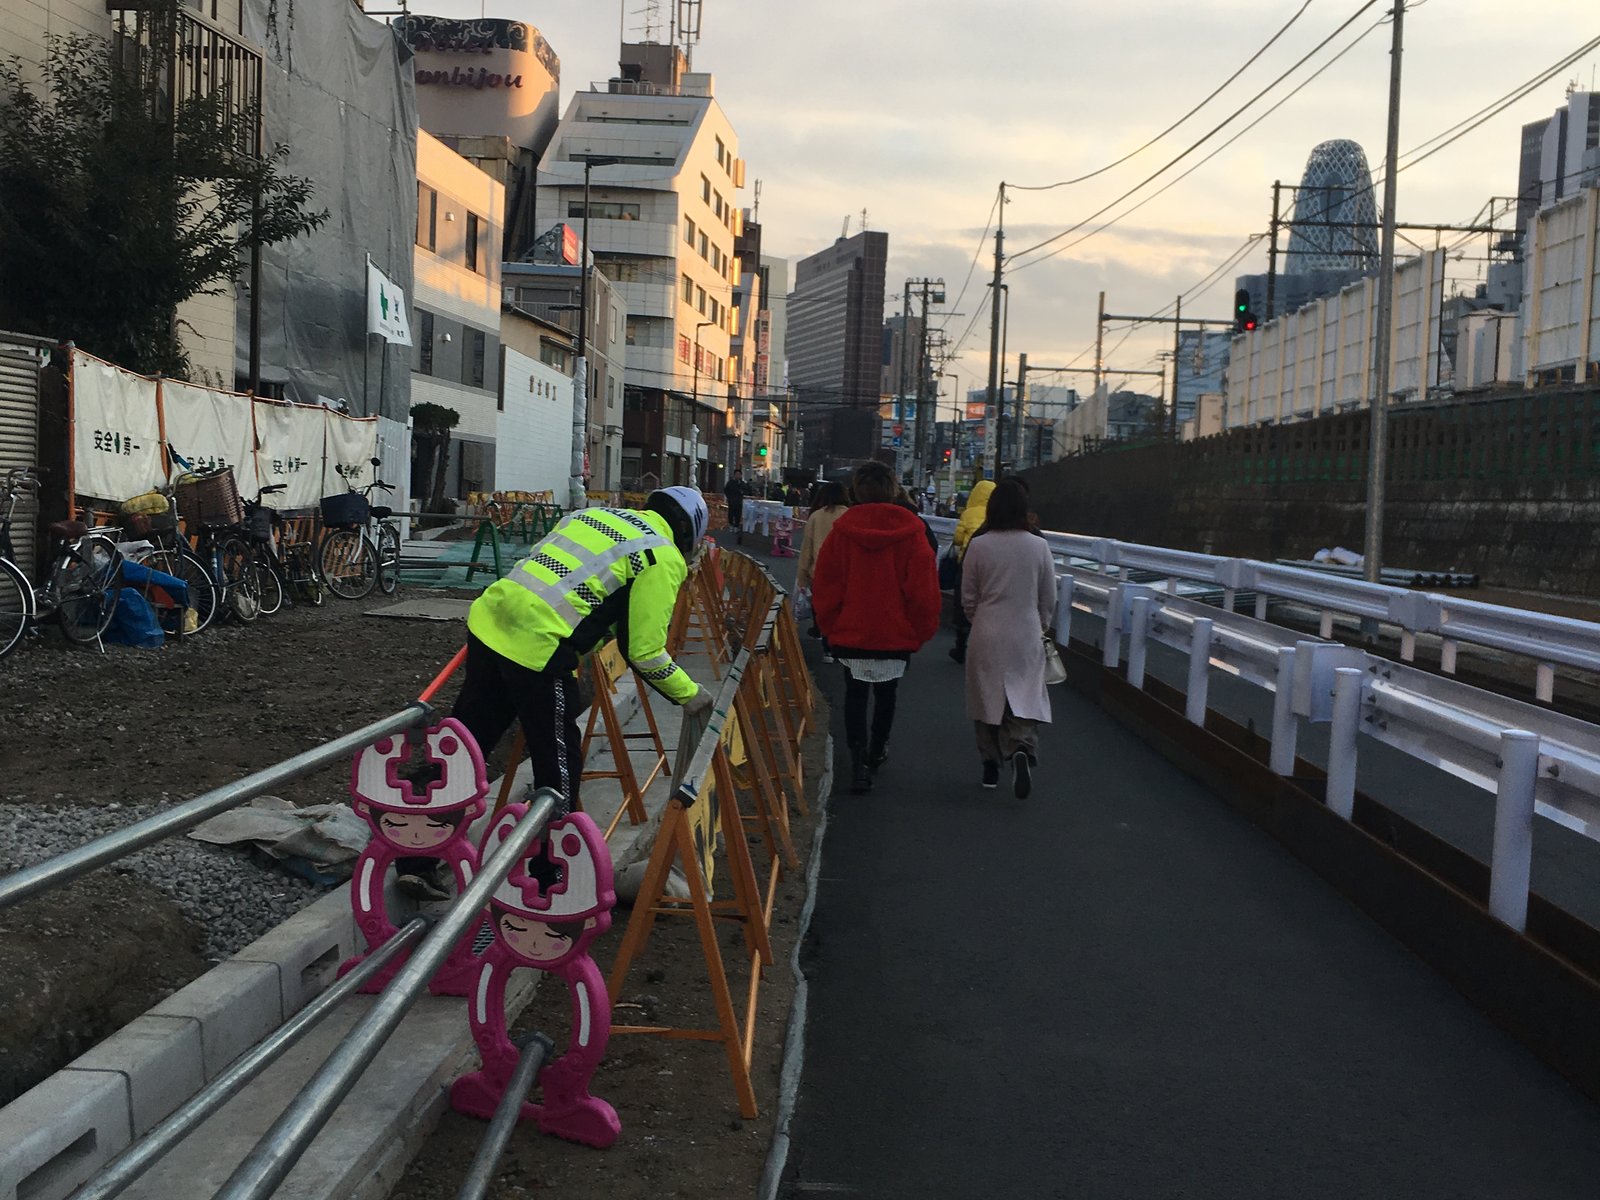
599 571
972 518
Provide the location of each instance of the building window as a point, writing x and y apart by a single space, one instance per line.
632 332
427 217
604 210
688 290
474 237
704 246
683 348
616 320
700 300
424 341
611 392
705 189
688 232
722 154
717 207
472 360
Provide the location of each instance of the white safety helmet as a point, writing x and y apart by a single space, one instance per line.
693 505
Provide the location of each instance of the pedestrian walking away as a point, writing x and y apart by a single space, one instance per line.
876 597
828 505
972 517
1008 591
734 492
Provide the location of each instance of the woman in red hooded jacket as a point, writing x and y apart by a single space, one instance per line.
876 598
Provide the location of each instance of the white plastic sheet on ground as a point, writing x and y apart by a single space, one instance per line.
212 429
289 445
116 431
352 444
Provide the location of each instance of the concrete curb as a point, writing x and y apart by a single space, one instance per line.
794 1044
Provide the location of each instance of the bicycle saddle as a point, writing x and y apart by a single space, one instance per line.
68 530
379 512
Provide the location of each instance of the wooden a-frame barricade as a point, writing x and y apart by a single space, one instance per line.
739 756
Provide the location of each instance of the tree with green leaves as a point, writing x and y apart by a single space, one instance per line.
116 205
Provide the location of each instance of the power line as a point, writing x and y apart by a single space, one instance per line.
977 254
1249 62
1174 182
1204 139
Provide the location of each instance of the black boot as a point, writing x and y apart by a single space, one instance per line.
877 755
860 773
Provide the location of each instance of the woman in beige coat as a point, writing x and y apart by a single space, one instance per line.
1008 591
832 503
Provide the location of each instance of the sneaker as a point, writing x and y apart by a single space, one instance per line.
828 658
1021 774
991 774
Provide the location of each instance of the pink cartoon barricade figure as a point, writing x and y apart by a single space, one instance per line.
549 929
417 818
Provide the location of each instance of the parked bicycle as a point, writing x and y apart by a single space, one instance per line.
259 527
210 505
81 588
299 558
361 544
169 553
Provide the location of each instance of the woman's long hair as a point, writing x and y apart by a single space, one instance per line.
1008 507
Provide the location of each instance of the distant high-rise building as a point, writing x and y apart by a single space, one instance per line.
1529 189
1569 157
1335 219
835 345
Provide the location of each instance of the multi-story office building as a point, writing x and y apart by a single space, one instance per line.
835 348
455 316
1335 216
1569 149
663 220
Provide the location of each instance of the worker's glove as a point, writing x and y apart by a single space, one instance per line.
699 704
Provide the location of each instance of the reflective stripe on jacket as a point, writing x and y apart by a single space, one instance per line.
599 569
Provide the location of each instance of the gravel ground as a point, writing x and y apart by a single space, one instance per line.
91 742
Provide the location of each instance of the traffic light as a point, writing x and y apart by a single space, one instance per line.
1243 319
761 451
947 453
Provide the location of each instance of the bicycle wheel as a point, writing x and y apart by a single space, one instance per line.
202 601
269 581
88 585
244 587
349 563
303 577
388 558
16 605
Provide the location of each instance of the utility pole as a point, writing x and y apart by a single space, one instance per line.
900 390
1099 342
1272 249
1378 459
1177 343
919 457
992 452
1019 441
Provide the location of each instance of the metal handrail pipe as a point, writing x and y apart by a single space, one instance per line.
274 1156
138 1158
1346 595
480 1173
53 872
686 781
1563 640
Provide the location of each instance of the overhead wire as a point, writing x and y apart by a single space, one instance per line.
1193 146
1248 63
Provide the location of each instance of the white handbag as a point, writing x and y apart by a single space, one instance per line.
1055 671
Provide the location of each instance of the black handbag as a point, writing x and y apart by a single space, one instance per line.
949 570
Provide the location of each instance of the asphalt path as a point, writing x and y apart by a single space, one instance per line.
1119 988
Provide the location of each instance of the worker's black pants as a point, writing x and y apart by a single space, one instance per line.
497 691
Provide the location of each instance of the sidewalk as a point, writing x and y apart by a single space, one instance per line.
1121 989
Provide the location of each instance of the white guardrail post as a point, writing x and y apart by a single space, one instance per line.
1138 638
1284 726
1510 867
1342 753
1201 633
1111 641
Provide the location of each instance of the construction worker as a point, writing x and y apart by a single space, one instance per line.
600 571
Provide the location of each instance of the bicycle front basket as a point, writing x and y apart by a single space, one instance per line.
210 498
345 508
258 522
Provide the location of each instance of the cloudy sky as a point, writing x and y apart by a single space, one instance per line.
916 111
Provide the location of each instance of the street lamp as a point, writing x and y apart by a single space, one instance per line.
580 375
694 408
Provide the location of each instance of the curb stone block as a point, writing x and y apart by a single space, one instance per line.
236 1004
307 949
55 1136
159 1057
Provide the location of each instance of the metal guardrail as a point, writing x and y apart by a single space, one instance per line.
80 860
275 1155
1550 641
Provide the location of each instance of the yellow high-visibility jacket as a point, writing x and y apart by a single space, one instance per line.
972 516
599 570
